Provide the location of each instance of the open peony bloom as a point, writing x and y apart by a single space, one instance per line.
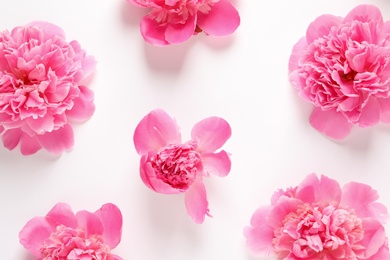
41 88
342 67
175 21
319 220
61 234
169 166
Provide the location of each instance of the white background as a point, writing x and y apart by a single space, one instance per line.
242 78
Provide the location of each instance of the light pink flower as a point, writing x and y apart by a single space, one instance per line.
175 21
319 220
342 67
61 234
169 166
41 88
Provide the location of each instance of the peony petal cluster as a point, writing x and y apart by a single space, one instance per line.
342 67
175 21
61 234
320 220
42 88
169 166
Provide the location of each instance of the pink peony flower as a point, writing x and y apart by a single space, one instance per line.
61 234
175 21
169 166
41 88
342 67
319 220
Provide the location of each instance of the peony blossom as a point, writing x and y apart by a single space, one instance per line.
61 234
175 21
342 67
41 88
320 220
169 166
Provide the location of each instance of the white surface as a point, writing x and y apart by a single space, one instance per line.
242 78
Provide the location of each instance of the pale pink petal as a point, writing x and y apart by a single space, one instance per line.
49 30
370 114
296 53
386 27
361 197
223 19
57 141
153 32
11 138
259 235
210 134
331 123
179 33
321 27
136 3
374 237
154 131
111 218
29 144
34 233
282 209
150 179
384 104
83 107
217 163
196 202
312 189
90 222
383 253
62 214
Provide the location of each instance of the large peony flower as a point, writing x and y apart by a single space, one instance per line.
41 88
61 234
342 67
175 21
169 166
319 220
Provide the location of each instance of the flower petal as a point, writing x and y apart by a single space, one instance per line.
223 19
321 26
152 32
331 123
111 218
49 30
62 214
284 206
210 134
11 138
29 144
57 141
384 104
196 202
83 107
370 114
155 130
374 237
296 53
179 33
90 222
217 163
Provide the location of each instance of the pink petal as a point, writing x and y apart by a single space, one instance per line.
296 53
34 233
370 114
11 138
111 218
223 19
57 141
217 163
62 214
83 107
50 30
155 130
210 134
150 179
152 32
260 235
331 123
321 26
29 144
41 125
90 222
362 198
312 189
374 237
384 104
284 206
196 202
179 33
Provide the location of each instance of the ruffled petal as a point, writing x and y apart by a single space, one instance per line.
296 53
83 106
62 214
384 104
374 238
196 202
29 144
210 134
331 123
49 30
321 27
282 209
370 114
11 138
179 33
90 222
217 163
223 19
152 32
154 131
57 141
111 218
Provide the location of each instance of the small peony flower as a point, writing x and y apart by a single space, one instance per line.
61 234
342 67
169 166
42 88
175 21
319 220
